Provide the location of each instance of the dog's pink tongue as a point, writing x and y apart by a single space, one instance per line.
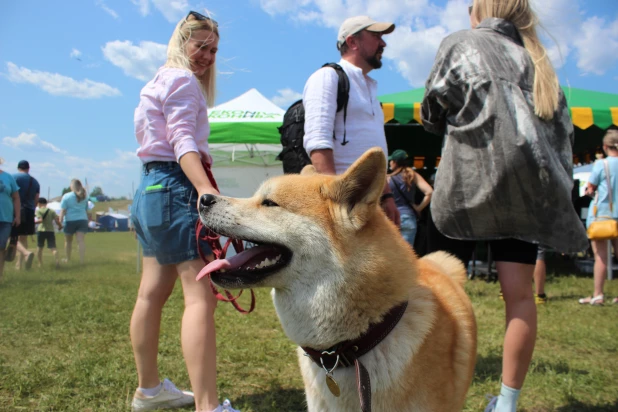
234 262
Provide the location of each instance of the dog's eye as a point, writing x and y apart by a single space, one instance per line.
269 203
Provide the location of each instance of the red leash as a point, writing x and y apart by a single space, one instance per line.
213 240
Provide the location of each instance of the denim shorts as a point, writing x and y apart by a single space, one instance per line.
164 214
408 227
72 226
5 233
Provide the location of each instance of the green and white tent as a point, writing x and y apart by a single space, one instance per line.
244 130
244 142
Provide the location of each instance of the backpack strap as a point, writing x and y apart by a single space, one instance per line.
343 94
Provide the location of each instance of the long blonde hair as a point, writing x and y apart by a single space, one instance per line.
611 139
177 56
546 86
78 189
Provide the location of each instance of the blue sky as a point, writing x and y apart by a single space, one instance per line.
71 71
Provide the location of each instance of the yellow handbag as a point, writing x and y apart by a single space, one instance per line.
604 227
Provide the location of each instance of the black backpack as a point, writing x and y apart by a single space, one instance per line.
293 156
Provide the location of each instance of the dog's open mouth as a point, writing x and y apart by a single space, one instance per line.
248 267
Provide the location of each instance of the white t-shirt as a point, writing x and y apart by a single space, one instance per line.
364 124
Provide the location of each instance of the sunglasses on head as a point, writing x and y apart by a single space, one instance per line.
193 15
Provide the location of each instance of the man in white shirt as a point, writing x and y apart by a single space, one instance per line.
361 45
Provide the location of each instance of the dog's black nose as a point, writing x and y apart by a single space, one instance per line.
207 201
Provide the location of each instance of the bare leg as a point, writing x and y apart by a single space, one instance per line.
55 254
521 321
156 286
198 336
22 250
540 273
39 255
68 244
599 247
81 245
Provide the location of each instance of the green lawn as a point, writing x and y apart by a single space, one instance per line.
64 343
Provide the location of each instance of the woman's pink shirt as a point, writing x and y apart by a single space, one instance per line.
172 118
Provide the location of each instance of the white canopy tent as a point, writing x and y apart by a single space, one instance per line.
244 142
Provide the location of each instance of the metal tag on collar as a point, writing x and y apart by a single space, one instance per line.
332 384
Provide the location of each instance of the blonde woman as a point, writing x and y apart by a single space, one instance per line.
171 127
403 182
597 184
74 214
506 170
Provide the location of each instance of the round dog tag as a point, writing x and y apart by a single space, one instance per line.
333 386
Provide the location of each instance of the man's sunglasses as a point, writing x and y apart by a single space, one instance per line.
193 15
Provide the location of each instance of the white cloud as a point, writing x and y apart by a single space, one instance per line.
144 6
60 85
113 170
75 54
597 46
30 142
422 24
285 97
172 10
107 9
141 61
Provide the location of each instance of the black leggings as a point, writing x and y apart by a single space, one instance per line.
502 250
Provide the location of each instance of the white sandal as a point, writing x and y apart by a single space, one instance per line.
594 301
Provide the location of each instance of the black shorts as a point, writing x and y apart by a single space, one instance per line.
502 250
41 237
26 227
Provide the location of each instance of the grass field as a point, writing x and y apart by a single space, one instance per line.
64 342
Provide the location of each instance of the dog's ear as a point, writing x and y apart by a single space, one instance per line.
359 189
308 171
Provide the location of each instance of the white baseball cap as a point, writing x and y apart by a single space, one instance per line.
355 24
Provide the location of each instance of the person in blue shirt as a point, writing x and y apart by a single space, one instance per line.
597 186
9 211
29 190
74 211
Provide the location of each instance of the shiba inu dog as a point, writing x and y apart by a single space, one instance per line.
345 283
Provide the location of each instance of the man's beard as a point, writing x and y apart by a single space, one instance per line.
374 61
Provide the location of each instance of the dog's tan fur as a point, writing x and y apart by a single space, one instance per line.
350 266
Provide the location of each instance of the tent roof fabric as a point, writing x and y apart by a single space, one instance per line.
587 107
249 118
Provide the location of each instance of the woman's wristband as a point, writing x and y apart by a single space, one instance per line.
386 196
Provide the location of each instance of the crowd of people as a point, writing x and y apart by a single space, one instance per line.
23 213
492 94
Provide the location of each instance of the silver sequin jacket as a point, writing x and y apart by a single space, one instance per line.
504 172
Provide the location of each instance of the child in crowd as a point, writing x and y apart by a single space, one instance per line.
45 231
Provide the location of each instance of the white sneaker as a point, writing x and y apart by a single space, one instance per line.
226 407
169 397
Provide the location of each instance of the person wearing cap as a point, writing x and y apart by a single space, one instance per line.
29 190
403 181
361 46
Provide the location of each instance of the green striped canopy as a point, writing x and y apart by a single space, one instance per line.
587 107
